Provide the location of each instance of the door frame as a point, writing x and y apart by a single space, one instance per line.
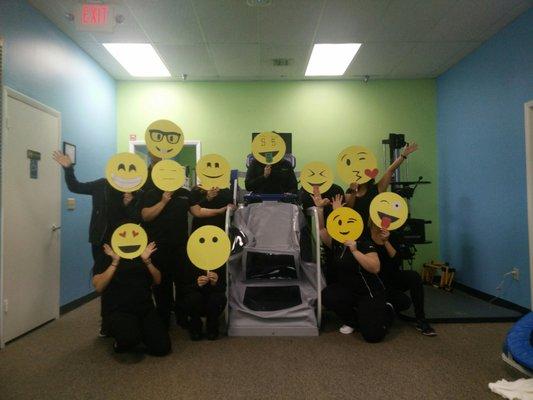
9 92
528 125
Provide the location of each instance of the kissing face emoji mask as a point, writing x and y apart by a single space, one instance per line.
316 174
213 171
356 164
164 139
129 241
208 247
168 175
388 210
268 147
344 224
126 172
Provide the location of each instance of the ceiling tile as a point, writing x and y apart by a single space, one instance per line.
192 60
236 60
289 23
227 21
102 57
426 58
378 58
346 21
297 55
167 21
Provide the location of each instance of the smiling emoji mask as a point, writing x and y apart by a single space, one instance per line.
357 164
168 175
316 174
208 247
388 210
126 172
213 170
164 139
268 148
129 241
344 224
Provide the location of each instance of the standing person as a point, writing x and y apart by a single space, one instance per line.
213 198
165 216
109 205
125 286
271 178
357 297
397 280
360 196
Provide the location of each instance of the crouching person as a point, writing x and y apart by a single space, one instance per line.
358 295
203 295
125 286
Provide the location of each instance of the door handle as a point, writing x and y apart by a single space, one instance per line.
55 228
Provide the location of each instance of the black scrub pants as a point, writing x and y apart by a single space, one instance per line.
170 260
134 327
204 302
402 281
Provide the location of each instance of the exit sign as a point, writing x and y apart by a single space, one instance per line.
95 17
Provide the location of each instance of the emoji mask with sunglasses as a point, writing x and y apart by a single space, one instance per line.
164 139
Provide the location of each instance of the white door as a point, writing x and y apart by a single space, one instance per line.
31 217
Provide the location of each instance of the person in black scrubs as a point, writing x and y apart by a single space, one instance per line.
110 207
203 294
165 216
359 197
271 178
357 297
213 198
130 315
306 199
397 280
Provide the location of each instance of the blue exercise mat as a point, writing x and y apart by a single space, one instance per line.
517 342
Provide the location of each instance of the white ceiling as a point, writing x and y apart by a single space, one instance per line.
229 40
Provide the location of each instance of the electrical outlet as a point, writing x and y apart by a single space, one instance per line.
515 272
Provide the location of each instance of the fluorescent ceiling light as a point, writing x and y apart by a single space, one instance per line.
139 59
331 59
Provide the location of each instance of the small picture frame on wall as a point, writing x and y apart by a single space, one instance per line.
70 150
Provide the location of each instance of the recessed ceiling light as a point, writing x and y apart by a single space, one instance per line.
331 59
258 3
139 59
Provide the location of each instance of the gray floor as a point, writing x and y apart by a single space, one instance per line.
65 360
457 305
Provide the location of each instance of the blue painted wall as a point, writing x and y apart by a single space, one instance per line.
43 63
481 159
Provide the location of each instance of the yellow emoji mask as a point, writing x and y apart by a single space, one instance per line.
268 147
164 139
129 241
126 172
388 210
168 175
344 224
316 174
213 171
208 247
357 164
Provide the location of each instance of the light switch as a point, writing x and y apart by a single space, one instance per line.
71 203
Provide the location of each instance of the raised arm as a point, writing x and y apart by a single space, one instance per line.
351 194
101 280
369 261
385 180
150 213
145 256
72 182
320 203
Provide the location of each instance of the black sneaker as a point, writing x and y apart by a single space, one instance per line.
425 328
195 335
103 333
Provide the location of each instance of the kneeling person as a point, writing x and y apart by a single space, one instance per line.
130 316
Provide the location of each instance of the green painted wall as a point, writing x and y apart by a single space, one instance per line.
324 117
